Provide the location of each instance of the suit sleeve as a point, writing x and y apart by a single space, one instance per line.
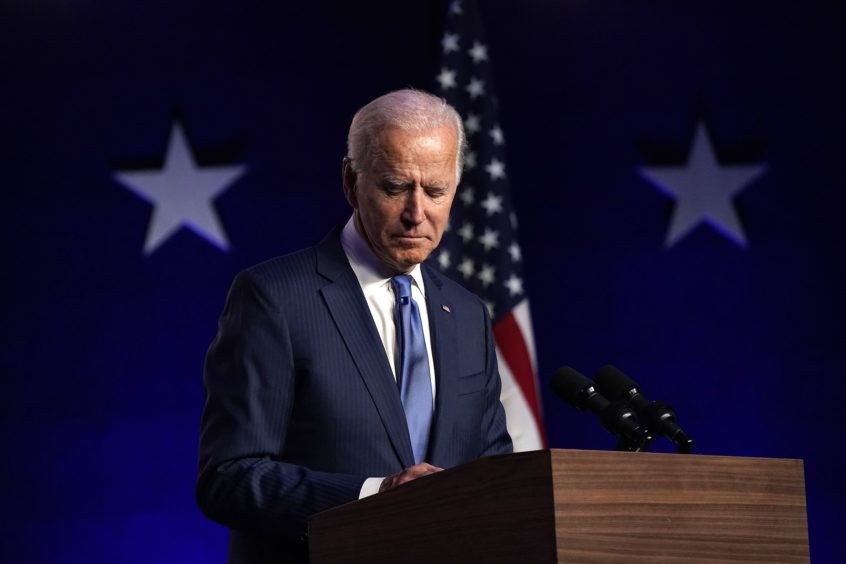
495 437
249 383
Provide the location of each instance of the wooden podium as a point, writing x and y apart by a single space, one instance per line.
578 506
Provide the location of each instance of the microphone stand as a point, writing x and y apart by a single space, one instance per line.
628 445
682 441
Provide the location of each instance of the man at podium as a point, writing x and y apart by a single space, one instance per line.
351 367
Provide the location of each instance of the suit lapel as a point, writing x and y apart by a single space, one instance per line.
442 328
349 310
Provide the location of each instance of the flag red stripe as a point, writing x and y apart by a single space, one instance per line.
512 345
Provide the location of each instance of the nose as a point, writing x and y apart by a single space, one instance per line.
413 212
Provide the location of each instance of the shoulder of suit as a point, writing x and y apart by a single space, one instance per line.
284 263
279 275
304 259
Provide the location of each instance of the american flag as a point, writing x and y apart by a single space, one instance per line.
480 248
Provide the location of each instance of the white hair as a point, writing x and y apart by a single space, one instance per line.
408 110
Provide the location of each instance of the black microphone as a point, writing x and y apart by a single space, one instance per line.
658 416
617 417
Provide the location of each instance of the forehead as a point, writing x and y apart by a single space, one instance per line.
430 149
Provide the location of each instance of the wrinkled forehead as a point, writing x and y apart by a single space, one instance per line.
430 148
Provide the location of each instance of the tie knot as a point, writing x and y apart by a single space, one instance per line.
402 287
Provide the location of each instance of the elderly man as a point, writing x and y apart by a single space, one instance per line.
350 367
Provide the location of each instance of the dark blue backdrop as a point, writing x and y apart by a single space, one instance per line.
102 346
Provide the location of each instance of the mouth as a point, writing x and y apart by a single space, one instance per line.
410 241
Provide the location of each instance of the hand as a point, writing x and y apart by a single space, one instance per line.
410 473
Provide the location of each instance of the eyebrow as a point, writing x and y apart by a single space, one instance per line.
396 181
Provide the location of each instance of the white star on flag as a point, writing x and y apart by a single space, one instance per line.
492 204
450 42
489 239
467 196
447 78
497 136
478 52
182 194
703 190
476 87
443 259
469 160
486 275
466 267
514 251
466 232
514 285
472 124
496 169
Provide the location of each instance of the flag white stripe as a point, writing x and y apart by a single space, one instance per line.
520 420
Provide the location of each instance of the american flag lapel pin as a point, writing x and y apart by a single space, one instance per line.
446 308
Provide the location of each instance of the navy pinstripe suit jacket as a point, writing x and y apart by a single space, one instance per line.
301 405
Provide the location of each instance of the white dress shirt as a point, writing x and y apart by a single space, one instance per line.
375 282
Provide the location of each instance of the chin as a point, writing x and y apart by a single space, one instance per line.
408 260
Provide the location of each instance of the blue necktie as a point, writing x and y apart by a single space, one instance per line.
413 376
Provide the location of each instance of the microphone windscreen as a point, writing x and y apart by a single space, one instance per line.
612 383
567 383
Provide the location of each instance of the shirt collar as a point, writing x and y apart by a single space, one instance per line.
369 270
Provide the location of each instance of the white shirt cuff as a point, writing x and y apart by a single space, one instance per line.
369 487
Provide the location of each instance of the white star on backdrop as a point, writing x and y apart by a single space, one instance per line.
182 194
703 190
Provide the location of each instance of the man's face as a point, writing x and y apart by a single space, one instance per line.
403 196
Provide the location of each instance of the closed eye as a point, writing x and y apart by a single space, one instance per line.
436 192
395 187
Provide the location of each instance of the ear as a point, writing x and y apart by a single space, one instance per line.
350 178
